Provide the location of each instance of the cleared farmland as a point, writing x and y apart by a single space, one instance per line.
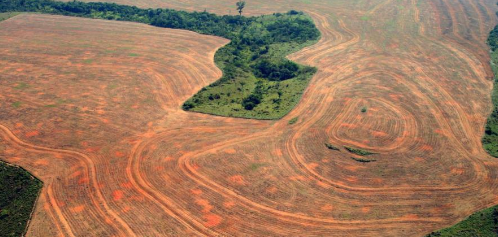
92 107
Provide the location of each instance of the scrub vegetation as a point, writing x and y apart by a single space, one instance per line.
359 152
332 147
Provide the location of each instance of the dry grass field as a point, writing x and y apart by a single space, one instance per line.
92 108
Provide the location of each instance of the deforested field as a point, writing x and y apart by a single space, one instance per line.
386 140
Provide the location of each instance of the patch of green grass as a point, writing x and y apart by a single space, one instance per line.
332 147
17 104
293 120
365 18
57 103
256 166
21 86
88 61
359 152
482 223
112 86
18 193
363 160
7 15
133 55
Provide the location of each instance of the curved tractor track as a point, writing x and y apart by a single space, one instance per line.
92 107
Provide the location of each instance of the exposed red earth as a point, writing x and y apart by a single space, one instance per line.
92 108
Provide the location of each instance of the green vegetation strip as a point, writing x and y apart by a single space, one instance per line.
490 138
18 193
293 120
258 81
332 147
363 160
359 151
7 15
482 223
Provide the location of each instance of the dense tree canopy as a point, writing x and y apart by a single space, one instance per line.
490 139
18 193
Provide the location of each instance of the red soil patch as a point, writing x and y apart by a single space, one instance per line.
230 151
427 148
237 179
365 209
77 209
126 185
196 191
117 195
278 152
32 134
83 181
272 190
313 165
229 204
212 220
42 162
204 203
168 158
327 207
379 134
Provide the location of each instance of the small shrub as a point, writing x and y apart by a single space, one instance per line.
332 147
293 120
256 166
363 160
16 104
359 151
21 86
364 109
187 106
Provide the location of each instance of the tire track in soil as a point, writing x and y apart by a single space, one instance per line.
87 161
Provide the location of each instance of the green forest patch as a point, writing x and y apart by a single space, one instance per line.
482 223
18 193
490 138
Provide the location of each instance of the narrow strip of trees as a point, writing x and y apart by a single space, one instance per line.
490 138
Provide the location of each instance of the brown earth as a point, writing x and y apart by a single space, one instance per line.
92 107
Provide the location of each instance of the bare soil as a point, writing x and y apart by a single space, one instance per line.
92 107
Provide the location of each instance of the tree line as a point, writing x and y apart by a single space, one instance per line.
490 138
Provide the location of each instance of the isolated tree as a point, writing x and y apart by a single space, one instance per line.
240 6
